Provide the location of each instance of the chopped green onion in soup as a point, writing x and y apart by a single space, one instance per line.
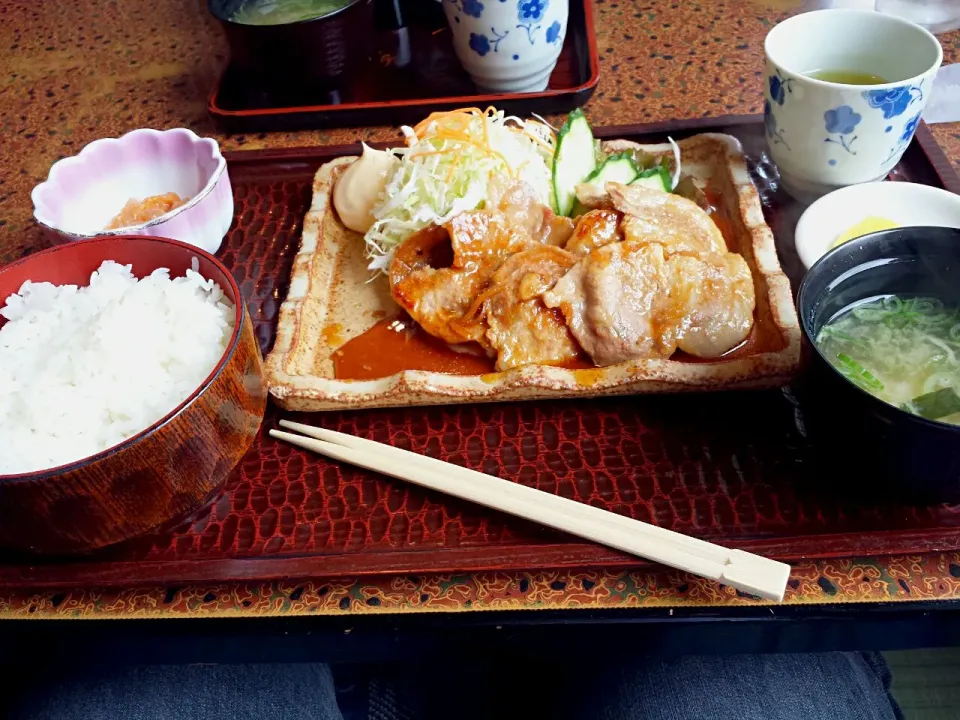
903 350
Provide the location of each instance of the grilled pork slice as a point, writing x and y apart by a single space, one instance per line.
438 272
631 300
517 201
716 296
679 224
522 329
595 229
609 302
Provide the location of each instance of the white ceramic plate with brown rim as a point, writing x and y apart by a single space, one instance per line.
337 347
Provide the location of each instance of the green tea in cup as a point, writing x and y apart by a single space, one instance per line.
847 77
845 90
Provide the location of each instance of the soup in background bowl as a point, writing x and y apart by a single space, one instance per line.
881 314
311 45
283 12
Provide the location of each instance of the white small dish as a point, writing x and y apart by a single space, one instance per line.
906 204
84 192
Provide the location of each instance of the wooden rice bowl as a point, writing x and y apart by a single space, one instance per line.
169 470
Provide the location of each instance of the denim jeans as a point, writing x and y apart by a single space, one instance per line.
851 686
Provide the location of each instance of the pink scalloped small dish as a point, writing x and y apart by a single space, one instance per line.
82 194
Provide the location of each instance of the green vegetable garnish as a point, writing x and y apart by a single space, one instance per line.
619 168
657 178
574 160
934 405
857 373
845 337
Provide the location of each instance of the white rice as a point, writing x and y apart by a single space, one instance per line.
84 368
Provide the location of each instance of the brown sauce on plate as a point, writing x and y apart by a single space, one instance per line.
718 213
397 344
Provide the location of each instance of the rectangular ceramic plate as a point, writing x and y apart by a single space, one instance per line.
734 468
333 299
383 95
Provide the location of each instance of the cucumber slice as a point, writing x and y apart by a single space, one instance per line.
657 178
578 209
619 168
573 160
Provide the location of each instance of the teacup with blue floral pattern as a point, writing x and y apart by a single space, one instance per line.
508 45
824 135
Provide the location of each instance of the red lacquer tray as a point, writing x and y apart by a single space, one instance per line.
735 468
433 80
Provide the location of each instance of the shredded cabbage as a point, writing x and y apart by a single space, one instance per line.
446 167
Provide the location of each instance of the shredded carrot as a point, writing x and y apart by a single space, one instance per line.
483 123
434 116
456 126
463 137
428 153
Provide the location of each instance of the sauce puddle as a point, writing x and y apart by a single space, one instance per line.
718 213
398 343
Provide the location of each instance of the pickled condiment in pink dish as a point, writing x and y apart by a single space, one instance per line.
83 194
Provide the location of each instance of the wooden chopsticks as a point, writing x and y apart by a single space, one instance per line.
742 570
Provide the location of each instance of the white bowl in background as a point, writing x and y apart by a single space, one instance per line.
903 203
83 193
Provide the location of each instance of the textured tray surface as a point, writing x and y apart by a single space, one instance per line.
731 467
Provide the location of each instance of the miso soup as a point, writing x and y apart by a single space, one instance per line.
904 350
283 12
